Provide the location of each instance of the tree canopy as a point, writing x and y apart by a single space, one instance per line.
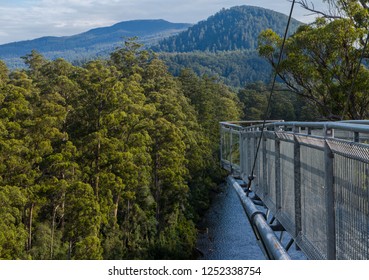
112 160
322 60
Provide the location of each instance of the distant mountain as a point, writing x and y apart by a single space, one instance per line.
236 28
225 45
95 42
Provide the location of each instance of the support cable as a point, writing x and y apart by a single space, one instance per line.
251 176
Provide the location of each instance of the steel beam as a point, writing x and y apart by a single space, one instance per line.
269 240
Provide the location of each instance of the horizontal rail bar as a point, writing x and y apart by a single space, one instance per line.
355 126
270 242
243 124
356 121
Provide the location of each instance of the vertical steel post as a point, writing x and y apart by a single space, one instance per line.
246 155
329 197
243 151
277 148
230 147
221 145
297 182
254 146
250 151
263 181
356 137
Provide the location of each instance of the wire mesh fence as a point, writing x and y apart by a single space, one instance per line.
313 177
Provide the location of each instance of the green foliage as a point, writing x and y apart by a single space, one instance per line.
111 160
88 249
3 73
13 234
209 99
321 61
285 105
226 66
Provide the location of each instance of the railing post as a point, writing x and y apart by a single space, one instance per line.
356 137
241 152
263 180
230 147
246 151
329 198
254 155
297 182
221 145
277 148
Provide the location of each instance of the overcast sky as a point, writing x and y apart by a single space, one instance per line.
29 19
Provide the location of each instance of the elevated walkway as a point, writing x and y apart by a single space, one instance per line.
313 177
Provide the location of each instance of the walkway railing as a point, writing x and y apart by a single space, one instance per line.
314 178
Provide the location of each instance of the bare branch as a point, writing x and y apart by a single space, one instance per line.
364 4
332 13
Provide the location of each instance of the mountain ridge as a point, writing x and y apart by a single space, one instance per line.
93 42
229 29
223 46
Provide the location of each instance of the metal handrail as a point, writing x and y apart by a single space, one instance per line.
323 161
269 242
353 126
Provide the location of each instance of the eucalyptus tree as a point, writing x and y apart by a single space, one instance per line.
321 61
13 233
59 92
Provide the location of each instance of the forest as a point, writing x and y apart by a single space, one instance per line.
116 158
224 65
112 160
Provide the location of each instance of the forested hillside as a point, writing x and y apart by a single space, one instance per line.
233 68
113 160
225 45
236 28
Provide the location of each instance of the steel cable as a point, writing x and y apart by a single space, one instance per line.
251 176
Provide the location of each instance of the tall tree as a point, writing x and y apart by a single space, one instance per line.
13 233
213 102
168 153
321 61
82 214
